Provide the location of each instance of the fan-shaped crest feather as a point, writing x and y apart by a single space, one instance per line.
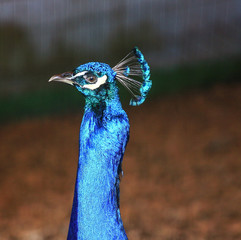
133 73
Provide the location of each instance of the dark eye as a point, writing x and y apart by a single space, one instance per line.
90 78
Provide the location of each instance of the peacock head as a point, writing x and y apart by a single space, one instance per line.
98 80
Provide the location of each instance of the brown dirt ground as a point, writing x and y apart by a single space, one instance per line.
182 171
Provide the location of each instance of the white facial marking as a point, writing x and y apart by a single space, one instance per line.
100 81
79 74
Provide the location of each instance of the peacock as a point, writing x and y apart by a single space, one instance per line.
104 133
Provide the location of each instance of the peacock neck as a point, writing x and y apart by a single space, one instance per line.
104 134
106 100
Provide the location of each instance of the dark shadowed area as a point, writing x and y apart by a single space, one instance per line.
183 162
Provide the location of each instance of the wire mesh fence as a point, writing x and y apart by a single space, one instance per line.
37 34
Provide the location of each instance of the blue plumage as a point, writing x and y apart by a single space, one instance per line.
104 133
103 137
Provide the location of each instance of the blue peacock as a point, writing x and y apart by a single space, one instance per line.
104 133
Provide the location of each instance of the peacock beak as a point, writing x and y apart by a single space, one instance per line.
66 77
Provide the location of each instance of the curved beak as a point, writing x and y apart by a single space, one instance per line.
66 77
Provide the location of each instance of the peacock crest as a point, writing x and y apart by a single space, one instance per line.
133 73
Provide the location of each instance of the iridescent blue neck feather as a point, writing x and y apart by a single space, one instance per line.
104 134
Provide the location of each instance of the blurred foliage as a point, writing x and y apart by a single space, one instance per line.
195 76
16 51
40 103
60 98
146 39
23 70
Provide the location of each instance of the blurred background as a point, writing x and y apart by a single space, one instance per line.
183 162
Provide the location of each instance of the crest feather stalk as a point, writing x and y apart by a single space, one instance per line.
133 72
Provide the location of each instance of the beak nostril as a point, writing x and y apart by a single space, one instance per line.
66 74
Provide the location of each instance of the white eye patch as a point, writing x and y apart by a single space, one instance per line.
100 81
79 74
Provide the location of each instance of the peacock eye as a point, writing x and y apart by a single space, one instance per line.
90 78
